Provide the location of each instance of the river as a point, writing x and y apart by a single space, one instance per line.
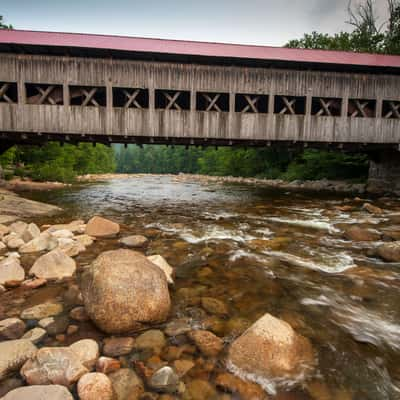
263 251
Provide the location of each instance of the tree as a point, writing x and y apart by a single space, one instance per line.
3 25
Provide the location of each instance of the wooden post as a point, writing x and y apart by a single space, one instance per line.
66 95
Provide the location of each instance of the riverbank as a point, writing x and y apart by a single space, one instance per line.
24 185
323 185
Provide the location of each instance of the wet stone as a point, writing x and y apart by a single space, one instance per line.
35 335
152 339
178 327
127 384
134 241
208 343
214 306
42 311
164 380
106 365
79 314
54 325
11 328
87 351
118 346
95 386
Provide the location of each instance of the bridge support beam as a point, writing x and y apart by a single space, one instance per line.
384 172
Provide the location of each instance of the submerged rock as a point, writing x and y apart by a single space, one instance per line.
208 343
13 354
134 241
53 365
372 209
41 311
40 392
270 349
101 227
164 380
119 346
54 265
362 234
390 251
35 335
106 365
122 290
152 339
127 384
95 386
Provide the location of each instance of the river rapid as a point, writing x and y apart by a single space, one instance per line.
260 251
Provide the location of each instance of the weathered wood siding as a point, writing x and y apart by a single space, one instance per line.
112 121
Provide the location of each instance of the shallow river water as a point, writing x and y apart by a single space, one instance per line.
261 251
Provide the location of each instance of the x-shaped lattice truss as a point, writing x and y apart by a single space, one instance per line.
3 93
360 107
49 95
326 107
88 96
251 105
394 110
289 106
131 98
172 100
212 101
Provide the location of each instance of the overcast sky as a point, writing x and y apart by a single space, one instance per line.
268 22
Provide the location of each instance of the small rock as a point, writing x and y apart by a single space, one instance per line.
11 328
101 227
182 367
18 227
54 325
34 283
15 243
79 314
84 240
77 226
134 241
233 384
164 266
48 392
118 346
72 329
152 339
208 343
11 272
87 351
35 335
95 386
199 389
63 233
178 327
127 384
53 365
31 232
13 353
390 251
107 365
372 209
4 230
41 243
164 380
214 306
54 265
41 311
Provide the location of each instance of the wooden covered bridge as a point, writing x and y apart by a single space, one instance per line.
79 87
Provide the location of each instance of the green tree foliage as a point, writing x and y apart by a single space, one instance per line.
3 25
53 162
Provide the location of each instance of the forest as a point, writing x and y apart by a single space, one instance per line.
367 33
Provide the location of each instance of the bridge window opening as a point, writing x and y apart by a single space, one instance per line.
362 108
251 103
8 92
88 96
212 102
328 107
130 98
290 105
391 109
44 94
172 100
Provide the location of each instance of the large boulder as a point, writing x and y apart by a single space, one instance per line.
101 227
13 353
53 365
270 349
11 272
390 251
54 265
40 392
122 290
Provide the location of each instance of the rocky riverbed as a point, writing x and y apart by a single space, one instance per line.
193 294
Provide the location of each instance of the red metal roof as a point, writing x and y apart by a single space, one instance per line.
190 48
